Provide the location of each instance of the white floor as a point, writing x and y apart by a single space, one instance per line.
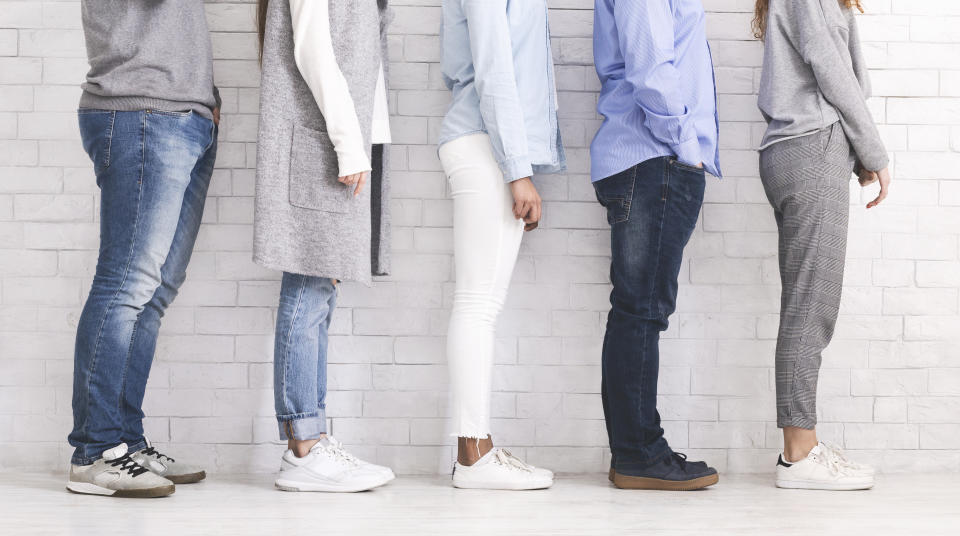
577 504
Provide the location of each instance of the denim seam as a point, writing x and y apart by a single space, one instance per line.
655 305
126 272
113 119
286 340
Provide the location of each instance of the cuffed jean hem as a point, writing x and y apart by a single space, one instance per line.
303 426
78 459
797 421
470 435
625 464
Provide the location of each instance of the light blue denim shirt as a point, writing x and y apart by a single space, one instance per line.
658 92
498 63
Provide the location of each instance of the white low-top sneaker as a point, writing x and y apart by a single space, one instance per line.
821 469
498 469
117 474
290 460
165 466
329 467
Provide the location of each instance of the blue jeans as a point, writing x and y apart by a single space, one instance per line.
300 355
153 169
652 209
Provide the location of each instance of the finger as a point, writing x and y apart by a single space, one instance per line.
360 182
880 197
525 210
530 226
534 215
518 209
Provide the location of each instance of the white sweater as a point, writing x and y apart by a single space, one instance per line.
313 51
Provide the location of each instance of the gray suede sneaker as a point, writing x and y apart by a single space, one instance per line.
116 474
167 467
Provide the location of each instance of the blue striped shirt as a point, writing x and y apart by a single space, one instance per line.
658 95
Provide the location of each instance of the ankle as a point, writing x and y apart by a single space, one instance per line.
797 443
301 447
470 450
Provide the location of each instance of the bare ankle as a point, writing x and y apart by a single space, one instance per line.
798 442
301 447
470 450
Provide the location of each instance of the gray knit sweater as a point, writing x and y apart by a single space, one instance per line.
152 54
814 75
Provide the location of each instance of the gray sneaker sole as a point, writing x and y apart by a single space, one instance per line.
190 478
81 488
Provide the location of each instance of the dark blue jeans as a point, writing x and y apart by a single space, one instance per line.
153 169
652 209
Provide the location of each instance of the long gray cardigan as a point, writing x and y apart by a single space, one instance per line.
306 222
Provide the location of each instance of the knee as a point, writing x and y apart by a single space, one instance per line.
479 307
640 312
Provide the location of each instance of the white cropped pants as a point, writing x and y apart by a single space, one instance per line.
486 242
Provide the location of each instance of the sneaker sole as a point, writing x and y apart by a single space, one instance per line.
823 486
290 485
191 478
501 486
641 482
85 488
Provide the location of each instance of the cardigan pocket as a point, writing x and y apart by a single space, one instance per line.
313 173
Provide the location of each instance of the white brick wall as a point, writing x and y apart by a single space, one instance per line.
890 387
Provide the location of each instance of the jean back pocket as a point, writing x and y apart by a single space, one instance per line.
615 193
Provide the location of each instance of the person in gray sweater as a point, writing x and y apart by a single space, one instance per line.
148 120
813 95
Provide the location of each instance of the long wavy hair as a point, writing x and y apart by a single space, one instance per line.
759 23
262 6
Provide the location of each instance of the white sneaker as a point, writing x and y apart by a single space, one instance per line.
498 469
821 469
116 474
329 467
165 466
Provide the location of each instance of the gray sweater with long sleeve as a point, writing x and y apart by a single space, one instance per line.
148 54
814 75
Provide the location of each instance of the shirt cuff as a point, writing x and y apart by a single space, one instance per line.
352 162
516 168
688 152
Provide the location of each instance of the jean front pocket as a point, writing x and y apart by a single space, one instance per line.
96 134
615 193
313 173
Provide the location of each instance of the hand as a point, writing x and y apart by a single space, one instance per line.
867 178
526 203
357 178
216 116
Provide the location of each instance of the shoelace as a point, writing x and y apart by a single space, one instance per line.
339 453
127 463
150 451
503 457
678 457
840 456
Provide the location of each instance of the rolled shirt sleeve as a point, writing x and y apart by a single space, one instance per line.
496 85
